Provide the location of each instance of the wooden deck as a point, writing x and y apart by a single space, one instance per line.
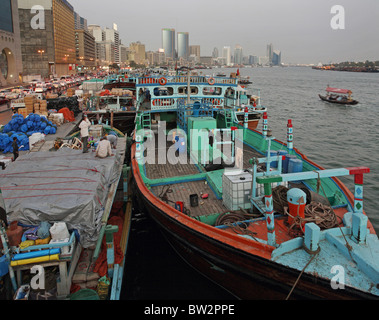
164 165
182 192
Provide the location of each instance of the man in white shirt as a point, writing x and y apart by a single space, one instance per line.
84 125
103 148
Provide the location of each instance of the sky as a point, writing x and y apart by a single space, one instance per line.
300 29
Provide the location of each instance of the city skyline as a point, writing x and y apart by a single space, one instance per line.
301 31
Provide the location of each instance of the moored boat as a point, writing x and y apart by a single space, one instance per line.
338 96
73 199
155 93
260 219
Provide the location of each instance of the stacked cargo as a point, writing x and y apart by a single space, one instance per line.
70 92
30 100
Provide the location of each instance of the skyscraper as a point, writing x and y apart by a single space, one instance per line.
226 55
215 53
183 45
277 58
270 50
113 36
168 42
238 54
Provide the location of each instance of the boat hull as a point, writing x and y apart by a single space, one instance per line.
245 275
118 84
352 102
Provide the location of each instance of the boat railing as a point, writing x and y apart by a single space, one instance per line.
163 80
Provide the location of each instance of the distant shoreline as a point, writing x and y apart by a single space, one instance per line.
347 69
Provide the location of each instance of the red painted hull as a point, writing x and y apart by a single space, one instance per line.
240 267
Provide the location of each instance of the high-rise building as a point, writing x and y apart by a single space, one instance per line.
168 42
10 44
183 45
85 50
139 52
195 50
97 32
226 54
238 54
277 58
48 44
113 35
99 36
80 22
270 50
215 53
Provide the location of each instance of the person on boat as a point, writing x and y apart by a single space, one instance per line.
112 139
103 149
84 125
15 148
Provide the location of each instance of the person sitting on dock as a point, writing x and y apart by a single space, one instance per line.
103 149
15 148
84 125
112 139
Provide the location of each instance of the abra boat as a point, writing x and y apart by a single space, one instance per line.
244 80
338 96
157 93
274 226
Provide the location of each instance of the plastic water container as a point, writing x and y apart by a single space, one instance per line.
295 165
273 164
286 161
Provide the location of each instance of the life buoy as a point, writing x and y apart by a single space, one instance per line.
162 81
211 81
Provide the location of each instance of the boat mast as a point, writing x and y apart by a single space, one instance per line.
188 85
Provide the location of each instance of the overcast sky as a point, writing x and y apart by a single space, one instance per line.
300 29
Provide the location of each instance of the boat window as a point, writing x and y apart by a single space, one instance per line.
229 92
163 91
212 91
183 90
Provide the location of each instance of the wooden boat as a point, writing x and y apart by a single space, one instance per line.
158 92
274 226
90 261
338 96
244 80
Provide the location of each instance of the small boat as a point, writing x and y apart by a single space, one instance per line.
250 212
339 96
244 80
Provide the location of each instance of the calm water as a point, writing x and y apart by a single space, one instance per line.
331 135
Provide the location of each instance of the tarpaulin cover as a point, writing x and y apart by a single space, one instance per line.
337 90
66 185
